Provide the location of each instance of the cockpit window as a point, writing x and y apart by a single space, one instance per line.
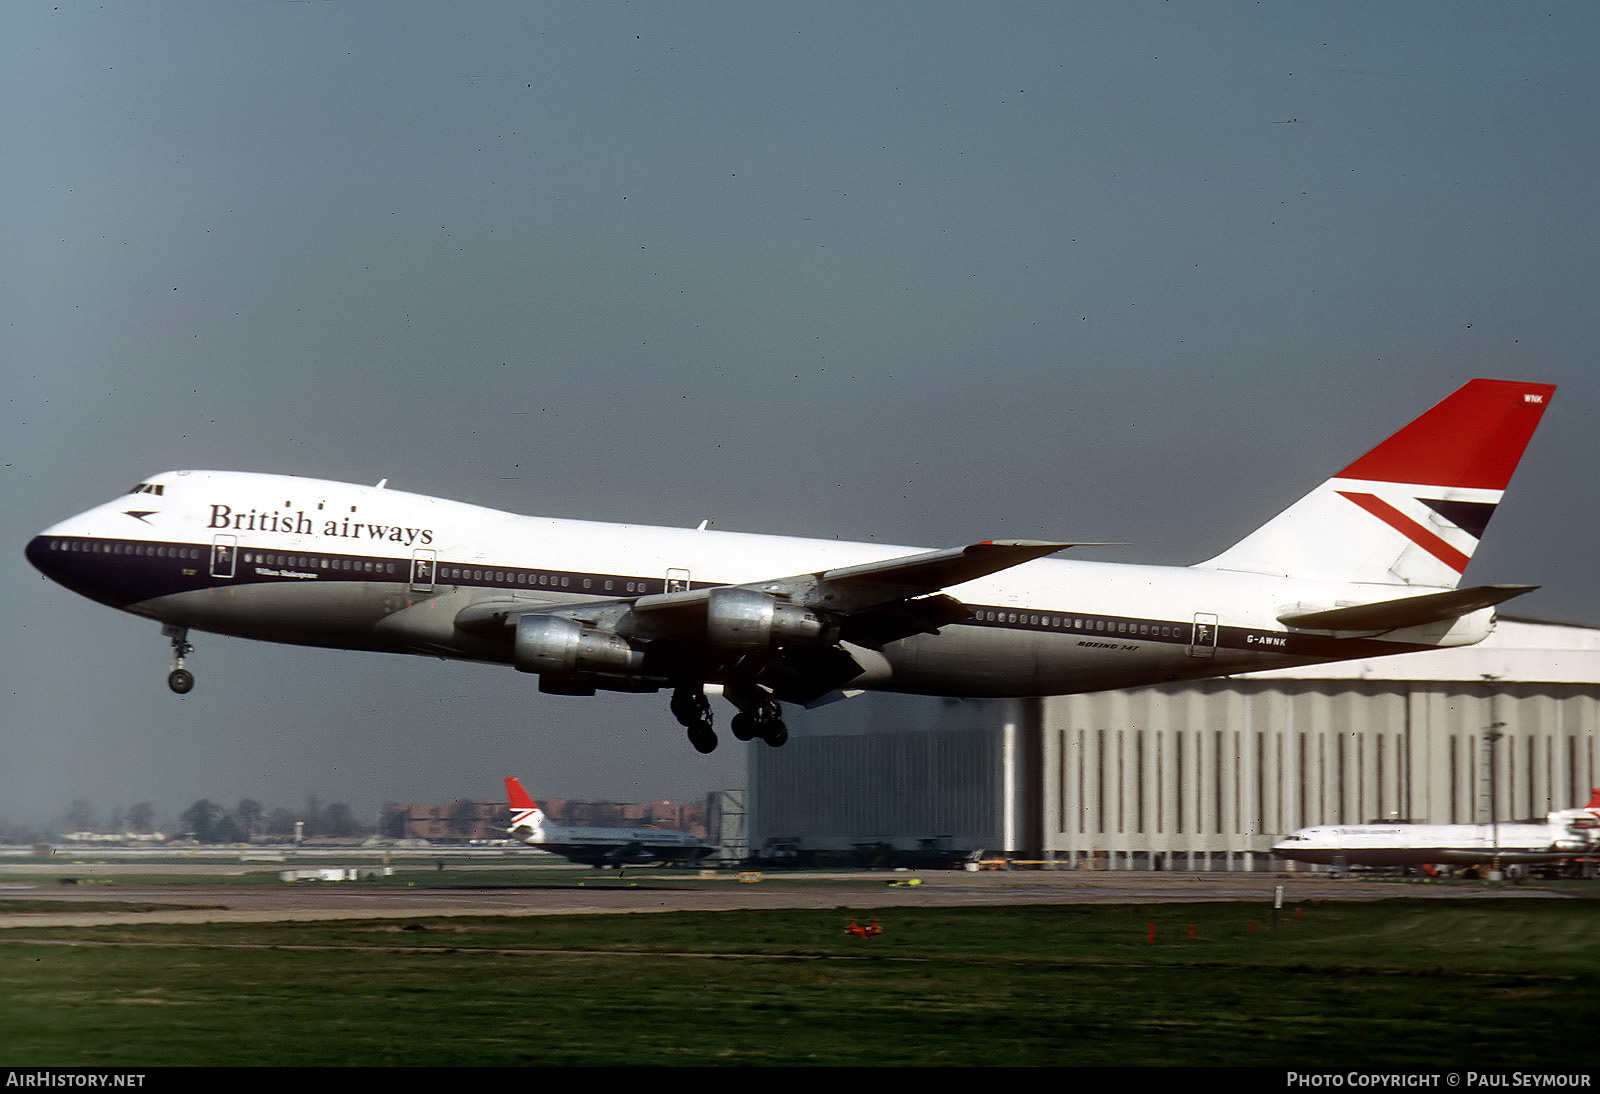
149 488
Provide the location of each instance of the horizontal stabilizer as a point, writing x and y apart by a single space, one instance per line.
1408 611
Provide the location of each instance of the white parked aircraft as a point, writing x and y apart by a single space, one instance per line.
599 846
1566 833
1364 565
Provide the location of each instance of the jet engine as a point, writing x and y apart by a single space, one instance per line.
741 621
565 647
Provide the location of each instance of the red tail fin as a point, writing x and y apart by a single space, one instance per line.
1472 439
517 797
1412 510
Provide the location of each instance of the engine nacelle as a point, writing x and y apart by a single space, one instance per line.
742 621
564 647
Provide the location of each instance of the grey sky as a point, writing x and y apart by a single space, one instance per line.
917 272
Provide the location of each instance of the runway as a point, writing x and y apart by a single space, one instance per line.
674 891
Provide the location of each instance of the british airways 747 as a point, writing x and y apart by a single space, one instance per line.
1366 564
619 847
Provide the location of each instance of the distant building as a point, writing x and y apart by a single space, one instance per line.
458 821
1200 774
656 814
119 838
462 821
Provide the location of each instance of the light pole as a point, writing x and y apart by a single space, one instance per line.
1492 736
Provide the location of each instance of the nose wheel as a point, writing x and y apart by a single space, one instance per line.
180 679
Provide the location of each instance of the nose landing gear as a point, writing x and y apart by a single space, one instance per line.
180 679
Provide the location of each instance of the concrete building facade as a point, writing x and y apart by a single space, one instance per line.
1201 774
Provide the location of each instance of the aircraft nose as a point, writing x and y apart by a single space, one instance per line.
39 554
54 557
78 564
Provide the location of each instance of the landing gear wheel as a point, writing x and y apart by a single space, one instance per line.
180 679
760 714
703 737
693 711
690 706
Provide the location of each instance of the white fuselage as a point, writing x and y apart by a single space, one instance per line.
1565 834
333 564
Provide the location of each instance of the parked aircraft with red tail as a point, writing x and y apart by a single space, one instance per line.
617 847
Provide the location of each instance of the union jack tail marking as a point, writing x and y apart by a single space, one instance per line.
1412 510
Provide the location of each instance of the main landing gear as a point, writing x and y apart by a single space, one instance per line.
693 711
764 722
180 679
759 717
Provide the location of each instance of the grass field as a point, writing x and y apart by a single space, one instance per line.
1484 982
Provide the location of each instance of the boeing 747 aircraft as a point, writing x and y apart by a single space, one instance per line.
617 847
1366 564
1565 834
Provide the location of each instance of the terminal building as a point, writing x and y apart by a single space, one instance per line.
1198 774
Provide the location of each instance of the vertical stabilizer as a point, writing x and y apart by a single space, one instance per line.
527 819
1581 824
1411 511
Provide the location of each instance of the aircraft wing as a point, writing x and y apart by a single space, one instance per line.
851 589
795 624
914 575
846 590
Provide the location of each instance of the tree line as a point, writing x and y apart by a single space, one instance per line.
210 822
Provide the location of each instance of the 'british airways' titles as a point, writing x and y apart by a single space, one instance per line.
298 524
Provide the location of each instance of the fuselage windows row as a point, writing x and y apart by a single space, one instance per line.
160 550
1078 623
502 577
347 565
550 581
112 547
